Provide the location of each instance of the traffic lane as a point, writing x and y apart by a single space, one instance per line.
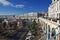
22 29
16 37
18 34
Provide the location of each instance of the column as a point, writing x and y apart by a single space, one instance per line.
57 21
48 32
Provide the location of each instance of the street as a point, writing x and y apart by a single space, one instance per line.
18 35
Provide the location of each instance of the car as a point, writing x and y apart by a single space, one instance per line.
29 35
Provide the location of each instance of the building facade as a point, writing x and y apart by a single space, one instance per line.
31 15
49 25
54 9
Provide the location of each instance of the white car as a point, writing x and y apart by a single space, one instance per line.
29 35
28 38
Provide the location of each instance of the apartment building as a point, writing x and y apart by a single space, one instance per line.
31 15
52 22
54 10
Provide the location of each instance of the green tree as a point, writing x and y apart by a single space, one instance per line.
15 26
53 31
24 22
4 25
30 27
33 27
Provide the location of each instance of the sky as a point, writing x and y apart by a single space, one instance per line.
10 7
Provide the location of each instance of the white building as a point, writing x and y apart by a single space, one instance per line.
47 26
31 15
54 9
53 13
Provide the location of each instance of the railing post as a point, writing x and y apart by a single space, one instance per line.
57 21
51 19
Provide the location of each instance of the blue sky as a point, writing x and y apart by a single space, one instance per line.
23 6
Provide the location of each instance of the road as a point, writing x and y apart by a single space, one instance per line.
19 34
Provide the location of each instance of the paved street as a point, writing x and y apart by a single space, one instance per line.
19 34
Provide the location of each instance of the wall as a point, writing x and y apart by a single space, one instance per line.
50 23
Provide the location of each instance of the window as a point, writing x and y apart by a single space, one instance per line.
49 28
54 0
46 28
57 15
57 0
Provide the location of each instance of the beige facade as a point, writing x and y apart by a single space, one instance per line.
32 15
53 13
54 9
46 24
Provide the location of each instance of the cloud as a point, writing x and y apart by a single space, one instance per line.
7 3
19 6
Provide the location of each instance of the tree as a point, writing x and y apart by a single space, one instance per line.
33 27
15 25
53 32
24 22
4 24
30 27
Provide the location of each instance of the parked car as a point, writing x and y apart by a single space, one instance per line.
29 35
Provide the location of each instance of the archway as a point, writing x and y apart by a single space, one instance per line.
53 33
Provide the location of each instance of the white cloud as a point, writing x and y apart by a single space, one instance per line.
19 6
7 3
